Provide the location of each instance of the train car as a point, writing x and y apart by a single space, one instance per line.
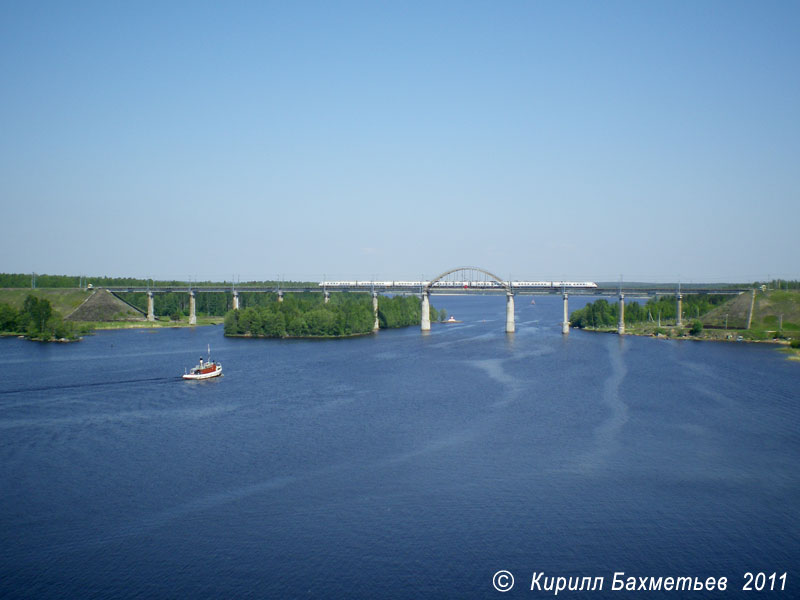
532 284
574 284
338 283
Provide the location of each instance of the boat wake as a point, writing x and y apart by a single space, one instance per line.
86 385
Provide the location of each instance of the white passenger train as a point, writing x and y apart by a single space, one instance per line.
458 284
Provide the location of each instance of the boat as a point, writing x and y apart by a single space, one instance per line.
205 369
452 319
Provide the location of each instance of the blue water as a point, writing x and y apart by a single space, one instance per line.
396 465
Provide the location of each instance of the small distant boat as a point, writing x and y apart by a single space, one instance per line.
205 370
533 301
452 319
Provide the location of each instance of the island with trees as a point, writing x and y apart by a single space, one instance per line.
307 315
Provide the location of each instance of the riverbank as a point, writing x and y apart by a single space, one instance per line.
89 327
169 324
299 337
23 336
683 333
706 335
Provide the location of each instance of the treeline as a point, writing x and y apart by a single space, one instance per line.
31 280
176 304
601 313
307 315
36 320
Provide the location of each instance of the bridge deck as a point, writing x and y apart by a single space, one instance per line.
518 290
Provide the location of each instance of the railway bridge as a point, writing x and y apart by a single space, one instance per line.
459 280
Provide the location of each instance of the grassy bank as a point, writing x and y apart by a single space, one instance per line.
773 311
165 323
63 301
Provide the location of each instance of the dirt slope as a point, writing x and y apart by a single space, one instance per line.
102 305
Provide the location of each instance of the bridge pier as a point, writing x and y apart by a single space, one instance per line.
192 312
425 321
235 300
565 322
377 324
510 313
151 315
679 321
621 326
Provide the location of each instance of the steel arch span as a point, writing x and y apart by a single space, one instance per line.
470 273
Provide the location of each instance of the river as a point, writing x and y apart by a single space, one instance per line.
398 465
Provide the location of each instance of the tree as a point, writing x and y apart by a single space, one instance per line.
36 312
9 319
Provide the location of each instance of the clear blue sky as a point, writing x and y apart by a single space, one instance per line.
576 140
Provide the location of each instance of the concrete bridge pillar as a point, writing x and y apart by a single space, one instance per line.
679 321
192 311
280 296
621 326
151 315
510 313
235 300
565 322
377 324
327 297
425 321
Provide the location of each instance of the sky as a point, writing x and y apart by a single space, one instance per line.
654 141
